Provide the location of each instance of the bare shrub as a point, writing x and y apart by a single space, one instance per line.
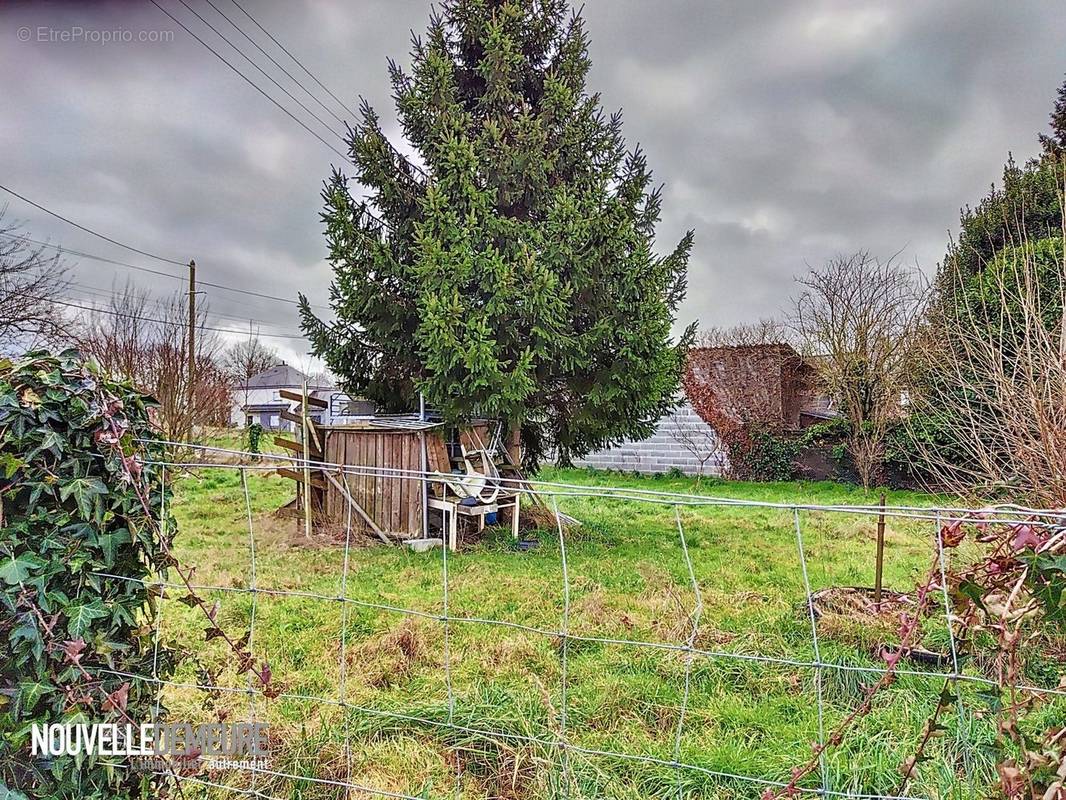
146 341
999 403
30 284
699 441
765 331
856 320
244 360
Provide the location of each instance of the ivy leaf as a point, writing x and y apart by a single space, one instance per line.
83 490
10 465
17 568
28 632
30 693
10 794
82 615
110 542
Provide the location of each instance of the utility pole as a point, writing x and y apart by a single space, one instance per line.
192 348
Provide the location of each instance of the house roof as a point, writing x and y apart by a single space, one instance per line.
283 376
266 407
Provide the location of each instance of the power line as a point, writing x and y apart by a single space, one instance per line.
381 224
110 294
90 230
313 77
114 313
248 80
263 72
274 61
149 270
294 58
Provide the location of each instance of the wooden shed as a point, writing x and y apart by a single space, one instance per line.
392 501
381 458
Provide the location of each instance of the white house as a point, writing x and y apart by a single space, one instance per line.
259 399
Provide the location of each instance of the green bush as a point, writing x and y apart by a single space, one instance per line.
769 458
255 437
78 500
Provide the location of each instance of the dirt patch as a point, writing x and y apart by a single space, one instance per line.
281 530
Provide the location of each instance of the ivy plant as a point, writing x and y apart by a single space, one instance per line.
82 541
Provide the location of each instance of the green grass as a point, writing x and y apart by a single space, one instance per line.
628 580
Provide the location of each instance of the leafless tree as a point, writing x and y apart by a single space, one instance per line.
856 319
146 341
245 359
1000 401
30 283
765 331
700 441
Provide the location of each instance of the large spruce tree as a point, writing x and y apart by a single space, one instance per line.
515 276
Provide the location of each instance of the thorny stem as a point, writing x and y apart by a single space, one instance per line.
910 627
930 728
131 466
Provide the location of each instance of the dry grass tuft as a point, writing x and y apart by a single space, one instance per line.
392 658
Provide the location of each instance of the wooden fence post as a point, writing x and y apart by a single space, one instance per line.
879 567
308 494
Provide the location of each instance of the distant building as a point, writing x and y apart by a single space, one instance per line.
260 401
768 381
771 377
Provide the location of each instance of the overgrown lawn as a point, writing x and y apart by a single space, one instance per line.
628 581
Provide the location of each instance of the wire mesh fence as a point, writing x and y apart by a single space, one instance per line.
686 659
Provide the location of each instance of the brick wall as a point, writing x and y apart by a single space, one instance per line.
663 450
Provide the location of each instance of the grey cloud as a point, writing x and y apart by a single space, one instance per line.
784 131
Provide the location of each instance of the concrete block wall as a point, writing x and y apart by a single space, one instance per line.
663 451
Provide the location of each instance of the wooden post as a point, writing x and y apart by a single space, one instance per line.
192 349
424 465
308 494
880 565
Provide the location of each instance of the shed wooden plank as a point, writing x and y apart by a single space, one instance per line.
352 457
403 489
387 482
414 509
316 480
406 496
297 447
400 493
331 505
373 489
296 397
358 509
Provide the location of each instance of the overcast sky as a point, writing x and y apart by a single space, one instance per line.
785 131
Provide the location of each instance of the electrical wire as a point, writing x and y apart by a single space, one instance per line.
80 227
263 72
299 63
274 61
112 312
248 80
83 254
111 294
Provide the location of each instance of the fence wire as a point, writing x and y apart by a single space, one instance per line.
560 742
